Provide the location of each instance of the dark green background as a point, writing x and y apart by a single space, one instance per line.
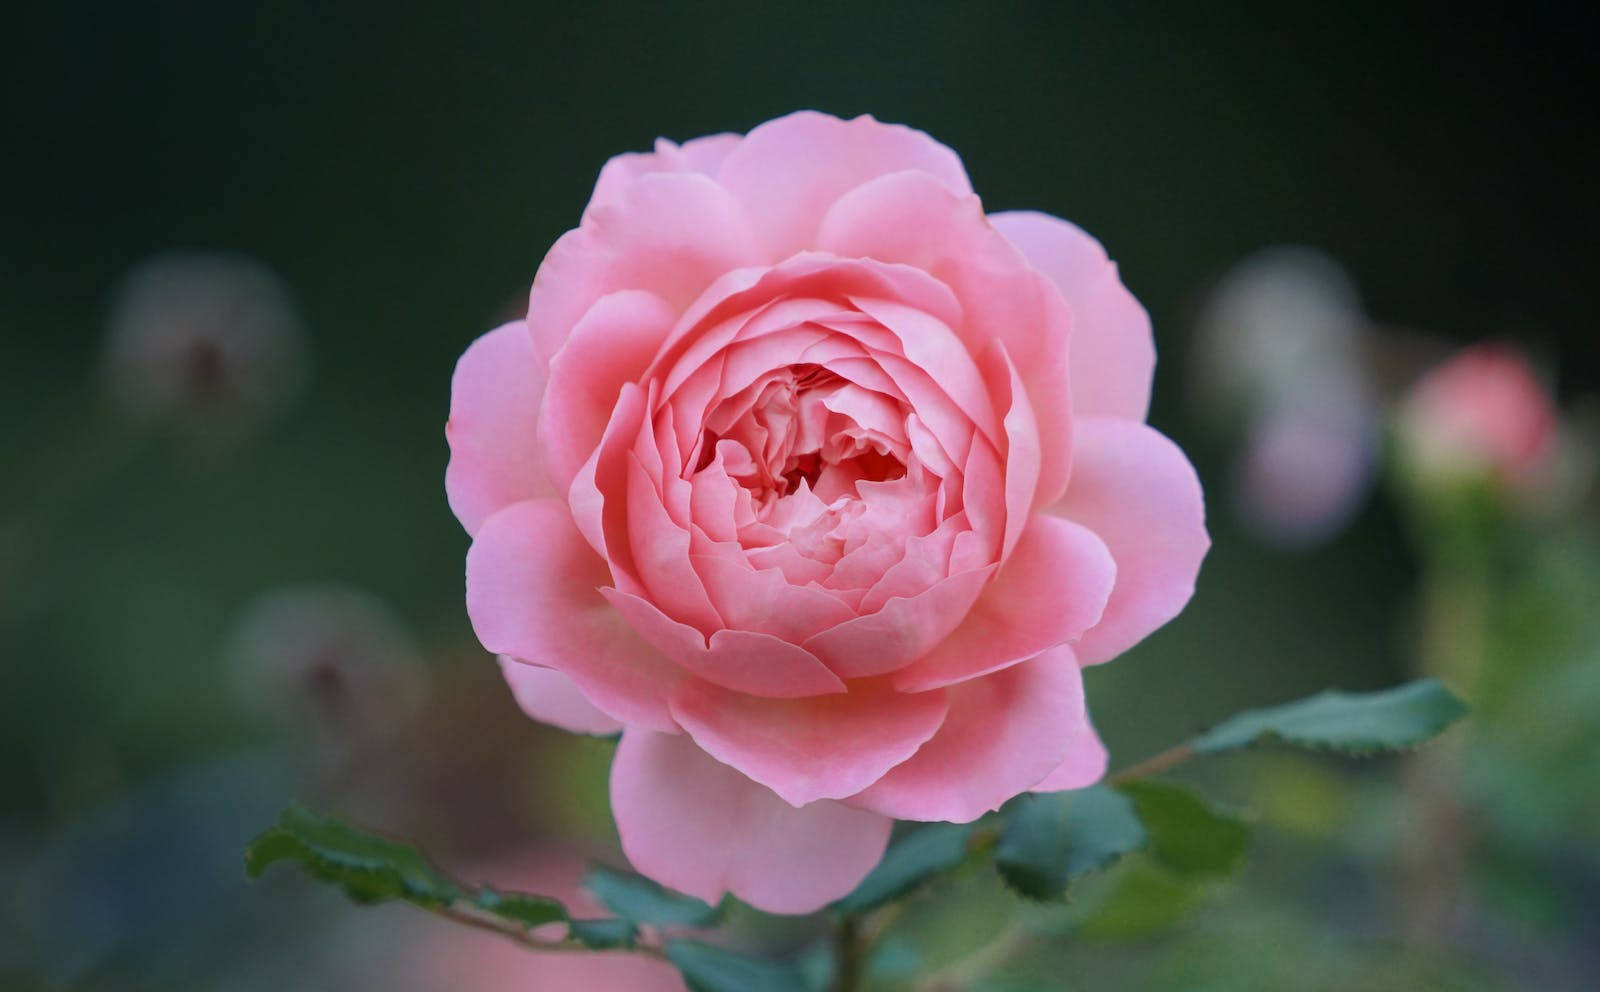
405 166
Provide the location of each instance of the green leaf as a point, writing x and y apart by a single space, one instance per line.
373 869
1352 723
1140 898
1051 839
369 868
716 969
604 934
643 901
913 859
1188 834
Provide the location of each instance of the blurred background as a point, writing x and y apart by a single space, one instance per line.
245 243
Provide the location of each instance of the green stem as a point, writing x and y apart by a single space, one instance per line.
1154 765
850 955
470 916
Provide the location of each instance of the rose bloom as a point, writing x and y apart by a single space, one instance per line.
1482 413
820 485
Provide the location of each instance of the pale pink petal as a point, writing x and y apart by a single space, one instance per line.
903 630
741 660
611 345
718 315
764 600
825 747
934 348
661 556
698 826
550 697
788 171
1052 589
1022 454
702 155
1004 734
1085 763
1113 352
909 218
671 233
494 413
533 592
1137 491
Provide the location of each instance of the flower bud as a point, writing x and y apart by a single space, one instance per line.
1480 416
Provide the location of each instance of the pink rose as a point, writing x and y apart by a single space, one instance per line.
1480 414
820 485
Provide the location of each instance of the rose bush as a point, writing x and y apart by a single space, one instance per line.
820 486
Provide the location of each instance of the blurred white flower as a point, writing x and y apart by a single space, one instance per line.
211 340
1280 357
334 665
1276 318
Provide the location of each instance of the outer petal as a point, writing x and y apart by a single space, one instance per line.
1135 489
1004 734
1085 763
550 697
702 155
1053 588
1113 352
671 234
494 411
788 171
825 747
692 823
611 345
533 592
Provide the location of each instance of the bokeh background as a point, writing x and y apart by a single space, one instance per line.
244 243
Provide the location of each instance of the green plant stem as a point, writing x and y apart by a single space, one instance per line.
1455 598
851 952
1153 765
469 916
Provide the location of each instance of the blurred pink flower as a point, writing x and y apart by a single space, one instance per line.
1308 465
1481 414
820 484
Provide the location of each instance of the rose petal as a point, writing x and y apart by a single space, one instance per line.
694 824
1004 734
610 346
1054 587
825 747
702 155
533 593
788 171
741 660
909 218
671 234
764 600
661 556
1113 351
550 697
494 413
1137 491
1023 453
904 629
